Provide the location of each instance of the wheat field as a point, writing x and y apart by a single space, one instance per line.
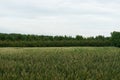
60 63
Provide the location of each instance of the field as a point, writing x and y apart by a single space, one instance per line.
60 63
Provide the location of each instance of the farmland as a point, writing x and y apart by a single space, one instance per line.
60 63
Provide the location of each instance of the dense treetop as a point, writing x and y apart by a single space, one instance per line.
23 37
23 40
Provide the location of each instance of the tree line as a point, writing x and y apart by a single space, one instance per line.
23 40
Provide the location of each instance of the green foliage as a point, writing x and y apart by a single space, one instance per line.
116 39
22 40
71 63
100 37
78 37
62 43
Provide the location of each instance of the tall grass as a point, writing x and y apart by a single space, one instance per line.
73 63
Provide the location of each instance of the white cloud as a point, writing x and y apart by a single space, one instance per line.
60 17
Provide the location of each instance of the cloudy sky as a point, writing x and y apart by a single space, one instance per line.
60 17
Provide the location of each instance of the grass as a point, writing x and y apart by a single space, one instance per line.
60 63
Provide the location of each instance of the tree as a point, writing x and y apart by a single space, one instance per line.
78 37
100 37
115 38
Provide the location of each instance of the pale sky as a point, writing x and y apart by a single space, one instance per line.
60 17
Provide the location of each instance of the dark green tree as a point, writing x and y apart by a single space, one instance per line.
78 37
115 38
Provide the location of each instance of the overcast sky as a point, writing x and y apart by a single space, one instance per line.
60 17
